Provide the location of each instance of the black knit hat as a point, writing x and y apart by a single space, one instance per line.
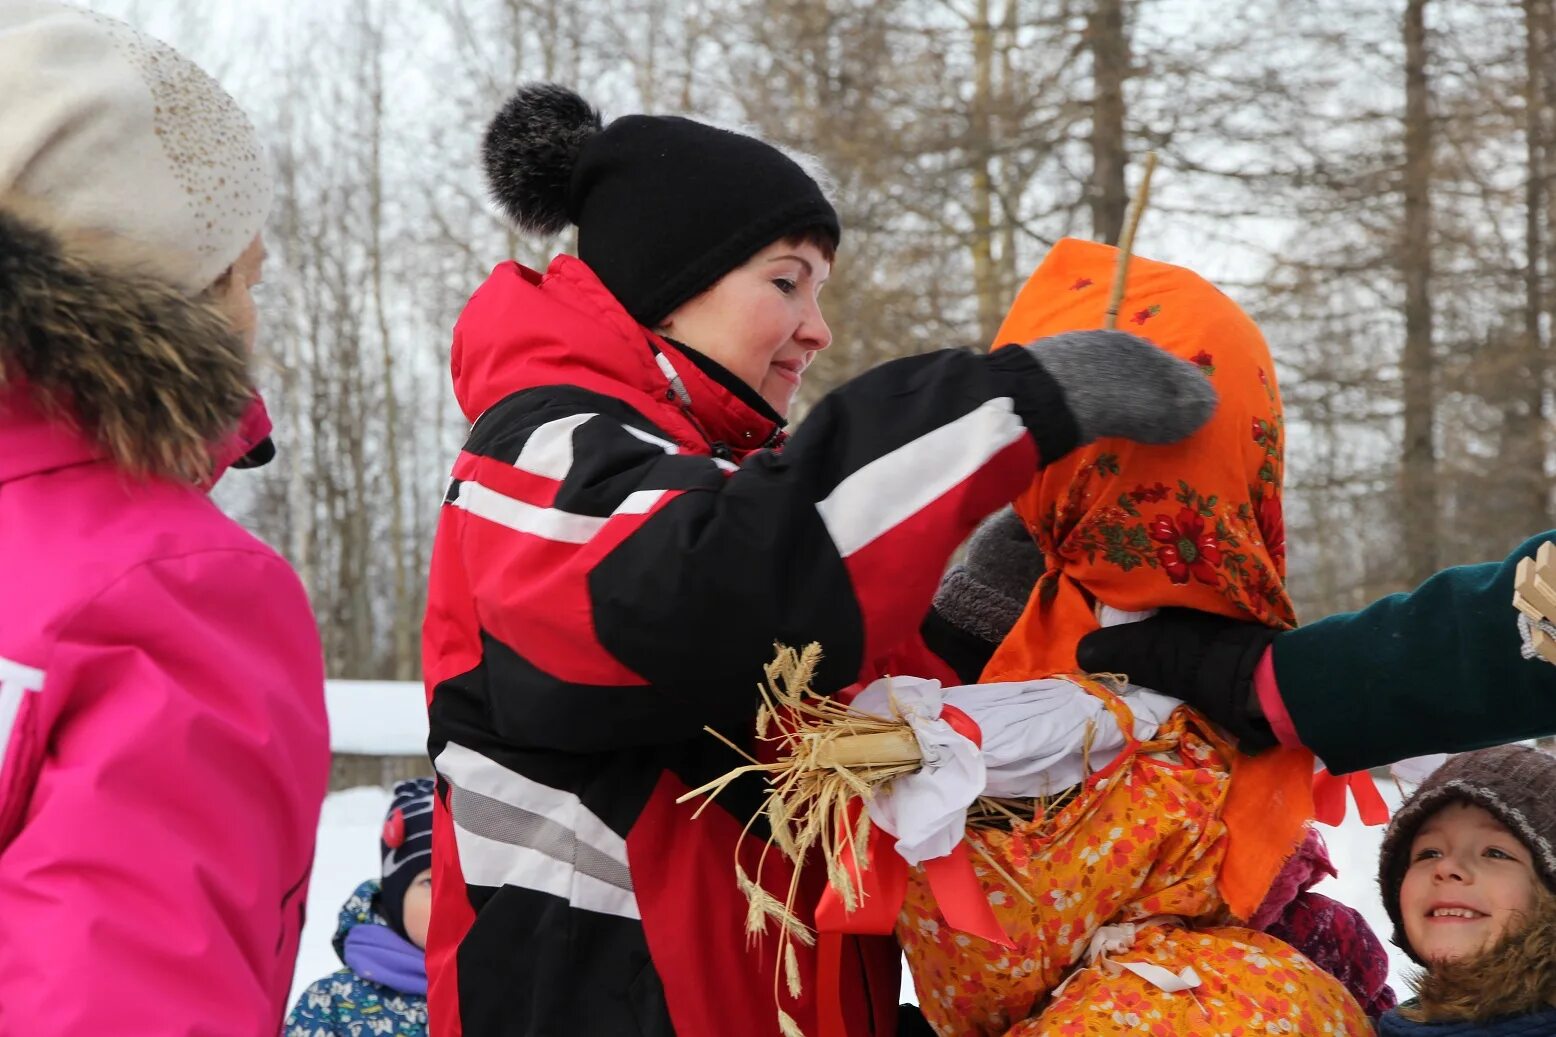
406 846
664 206
1513 783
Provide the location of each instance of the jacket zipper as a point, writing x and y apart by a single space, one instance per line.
676 393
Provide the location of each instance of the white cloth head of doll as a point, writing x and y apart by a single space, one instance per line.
1039 737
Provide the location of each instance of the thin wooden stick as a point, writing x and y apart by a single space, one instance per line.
748 757
1009 879
1126 245
988 803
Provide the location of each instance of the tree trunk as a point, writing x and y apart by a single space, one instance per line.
404 623
1544 12
1110 66
1419 461
1004 127
1527 442
987 283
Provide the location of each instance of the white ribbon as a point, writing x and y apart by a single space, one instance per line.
1120 937
1039 737
925 810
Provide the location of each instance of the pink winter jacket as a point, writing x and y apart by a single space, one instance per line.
164 743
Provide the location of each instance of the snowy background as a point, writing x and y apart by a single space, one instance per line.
390 717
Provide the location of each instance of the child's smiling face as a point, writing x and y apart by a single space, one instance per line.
1469 882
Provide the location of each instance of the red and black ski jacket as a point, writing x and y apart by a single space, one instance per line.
618 551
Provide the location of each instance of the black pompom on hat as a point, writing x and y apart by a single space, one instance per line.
665 206
531 149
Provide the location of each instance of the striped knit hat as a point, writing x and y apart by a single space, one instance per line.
1513 783
406 845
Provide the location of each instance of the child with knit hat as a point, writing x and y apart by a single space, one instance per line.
1468 870
163 742
629 528
381 937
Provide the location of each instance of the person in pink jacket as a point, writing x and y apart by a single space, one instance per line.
163 743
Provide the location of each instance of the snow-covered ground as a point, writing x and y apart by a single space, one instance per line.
348 853
381 718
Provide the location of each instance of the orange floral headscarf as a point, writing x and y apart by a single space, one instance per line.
1197 523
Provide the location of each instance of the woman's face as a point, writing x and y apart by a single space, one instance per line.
1469 883
233 294
761 321
418 908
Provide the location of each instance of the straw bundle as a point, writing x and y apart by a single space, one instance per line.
826 756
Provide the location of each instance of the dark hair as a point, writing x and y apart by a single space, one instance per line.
817 235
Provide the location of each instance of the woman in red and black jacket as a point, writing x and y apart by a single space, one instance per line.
628 531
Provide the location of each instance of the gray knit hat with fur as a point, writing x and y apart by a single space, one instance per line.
1516 784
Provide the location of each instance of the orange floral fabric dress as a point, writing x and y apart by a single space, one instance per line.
1182 836
1141 843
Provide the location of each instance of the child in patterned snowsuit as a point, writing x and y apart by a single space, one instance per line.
382 933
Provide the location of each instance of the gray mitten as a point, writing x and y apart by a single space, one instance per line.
1116 384
984 595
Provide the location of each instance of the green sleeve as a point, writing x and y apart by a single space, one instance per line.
1434 670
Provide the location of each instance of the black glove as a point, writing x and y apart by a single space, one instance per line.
1204 659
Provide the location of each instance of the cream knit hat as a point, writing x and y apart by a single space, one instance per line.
117 132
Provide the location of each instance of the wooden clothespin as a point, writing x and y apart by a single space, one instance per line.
1534 594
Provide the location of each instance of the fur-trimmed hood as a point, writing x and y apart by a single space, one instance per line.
1516 978
93 334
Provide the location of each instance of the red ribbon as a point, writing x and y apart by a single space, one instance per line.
883 888
829 984
1329 798
962 724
